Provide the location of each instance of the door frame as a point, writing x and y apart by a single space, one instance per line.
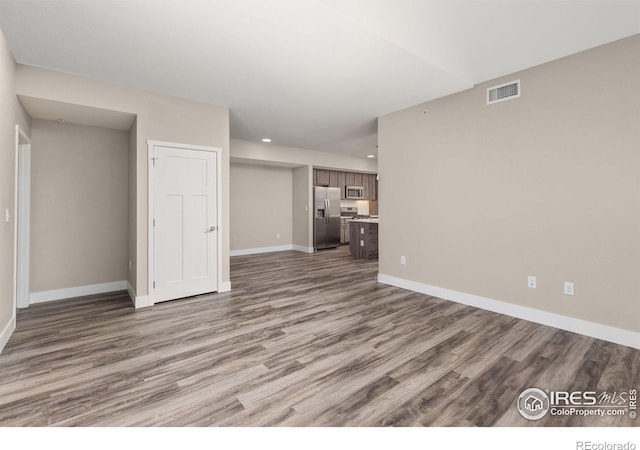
22 219
151 144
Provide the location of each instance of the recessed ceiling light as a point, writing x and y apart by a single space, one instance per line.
267 140
371 156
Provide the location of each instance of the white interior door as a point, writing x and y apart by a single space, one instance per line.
185 227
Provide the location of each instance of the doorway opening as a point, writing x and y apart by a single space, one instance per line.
72 201
22 229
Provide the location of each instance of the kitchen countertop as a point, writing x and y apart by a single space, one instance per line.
372 220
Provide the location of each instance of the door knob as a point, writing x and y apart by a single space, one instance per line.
211 229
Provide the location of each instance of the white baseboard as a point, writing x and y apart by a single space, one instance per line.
79 291
224 286
255 251
141 301
279 248
300 248
7 332
591 329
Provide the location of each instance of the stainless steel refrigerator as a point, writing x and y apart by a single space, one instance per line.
326 212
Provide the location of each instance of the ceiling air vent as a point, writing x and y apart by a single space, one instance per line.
503 92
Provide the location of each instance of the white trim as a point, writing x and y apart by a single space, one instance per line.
205 148
300 248
150 214
7 332
278 248
14 292
142 301
14 295
22 141
22 219
219 217
255 251
150 152
225 286
137 301
591 329
78 291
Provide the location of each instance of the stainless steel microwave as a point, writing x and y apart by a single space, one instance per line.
355 192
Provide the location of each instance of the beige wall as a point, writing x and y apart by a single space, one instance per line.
79 205
302 203
271 153
261 207
159 117
478 197
8 115
22 118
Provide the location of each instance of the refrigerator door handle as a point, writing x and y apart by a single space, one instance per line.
327 212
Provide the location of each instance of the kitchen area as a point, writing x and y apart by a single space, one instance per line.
345 211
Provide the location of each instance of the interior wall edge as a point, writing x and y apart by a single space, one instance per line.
7 332
138 301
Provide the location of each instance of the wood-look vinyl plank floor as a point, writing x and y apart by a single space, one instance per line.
302 340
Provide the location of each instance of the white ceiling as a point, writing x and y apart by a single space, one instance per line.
307 73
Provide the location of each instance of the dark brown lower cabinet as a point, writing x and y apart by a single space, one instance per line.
344 231
363 240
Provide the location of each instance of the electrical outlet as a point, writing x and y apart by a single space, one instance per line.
7 215
277 235
129 265
531 282
403 260
568 288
